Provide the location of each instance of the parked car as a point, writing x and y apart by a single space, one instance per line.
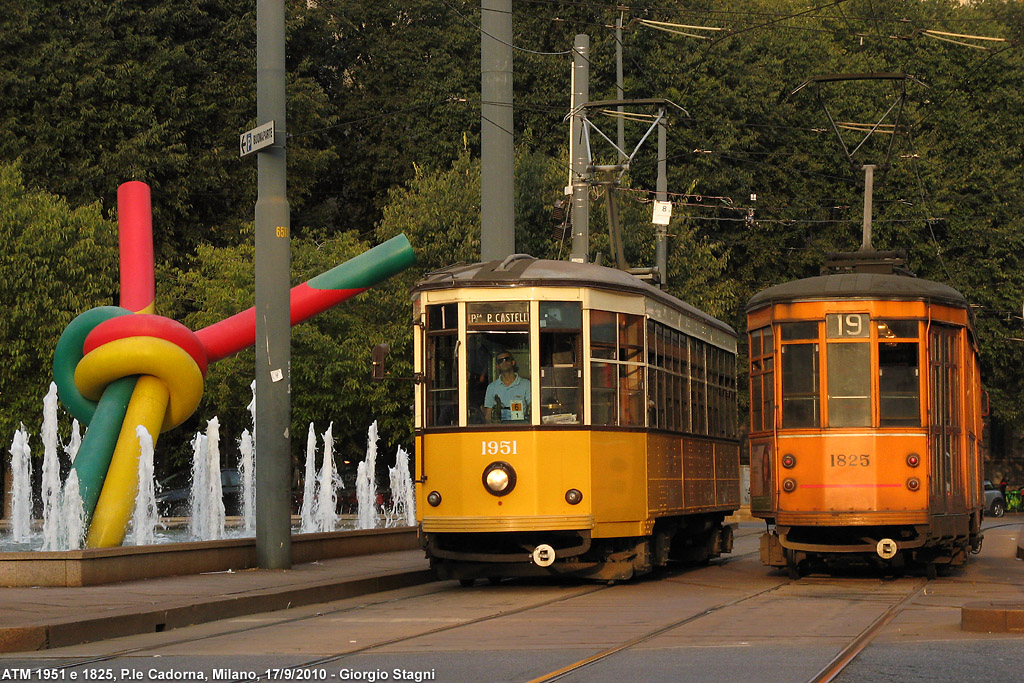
173 499
995 504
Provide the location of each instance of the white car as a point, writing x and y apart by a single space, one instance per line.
995 504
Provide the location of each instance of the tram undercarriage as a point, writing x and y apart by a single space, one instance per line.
890 549
470 556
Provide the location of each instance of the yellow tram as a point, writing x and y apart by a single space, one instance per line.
866 419
570 419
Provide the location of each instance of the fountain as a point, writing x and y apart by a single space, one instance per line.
366 483
71 448
247 473
307 522
403 495
51 472
74 566
145 518
72 514
21 488
207 500
326 511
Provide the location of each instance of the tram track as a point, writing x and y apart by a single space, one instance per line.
832 669
828 673
845 656
317 662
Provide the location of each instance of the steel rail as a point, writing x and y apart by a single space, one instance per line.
863 639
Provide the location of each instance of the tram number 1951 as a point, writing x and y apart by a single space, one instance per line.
498 447
849 460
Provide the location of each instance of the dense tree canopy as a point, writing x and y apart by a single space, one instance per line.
57 261
383 137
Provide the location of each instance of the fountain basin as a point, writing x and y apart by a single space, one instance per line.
97 566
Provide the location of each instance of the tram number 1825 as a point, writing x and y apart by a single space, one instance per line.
840 460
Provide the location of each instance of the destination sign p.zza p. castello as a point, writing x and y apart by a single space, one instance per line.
256 139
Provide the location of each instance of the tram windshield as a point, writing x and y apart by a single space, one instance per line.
855 350
498 340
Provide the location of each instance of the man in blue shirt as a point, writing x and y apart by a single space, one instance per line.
509 393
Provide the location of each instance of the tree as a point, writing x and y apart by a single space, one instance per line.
97 94
57 262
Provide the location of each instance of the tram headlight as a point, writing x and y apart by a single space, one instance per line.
499 478
913 460
913 483
434 499
789 485
789 461
573 496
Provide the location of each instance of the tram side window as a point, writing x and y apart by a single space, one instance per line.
668 377
561 363
498 361
442 395
762 370
800 372
898 374
723 403
617 368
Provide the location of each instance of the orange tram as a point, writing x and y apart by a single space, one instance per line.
866 419
570 419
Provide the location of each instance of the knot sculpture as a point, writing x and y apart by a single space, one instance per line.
118 367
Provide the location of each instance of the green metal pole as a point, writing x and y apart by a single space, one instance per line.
273 325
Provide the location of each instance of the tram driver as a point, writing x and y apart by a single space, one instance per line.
507 398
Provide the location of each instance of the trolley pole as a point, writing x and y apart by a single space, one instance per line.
273 315
620 125
869 190
579 147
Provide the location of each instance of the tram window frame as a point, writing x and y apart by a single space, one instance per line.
617 369
441 397
698 386
762 377
848 369
801 337
899 381
560 325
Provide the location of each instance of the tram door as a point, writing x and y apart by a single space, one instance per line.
946 490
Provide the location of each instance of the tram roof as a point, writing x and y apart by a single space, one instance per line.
522 270
859 286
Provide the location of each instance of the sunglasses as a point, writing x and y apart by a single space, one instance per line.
502 359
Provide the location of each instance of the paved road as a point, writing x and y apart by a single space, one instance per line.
730 621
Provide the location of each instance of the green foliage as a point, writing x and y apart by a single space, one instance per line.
97 94
383 124
57 262
330 352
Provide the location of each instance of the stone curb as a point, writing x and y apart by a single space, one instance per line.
992 617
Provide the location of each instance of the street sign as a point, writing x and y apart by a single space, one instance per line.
662 213
256 139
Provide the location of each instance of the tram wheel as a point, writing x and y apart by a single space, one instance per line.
494 580
792 566
931 572
467 583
